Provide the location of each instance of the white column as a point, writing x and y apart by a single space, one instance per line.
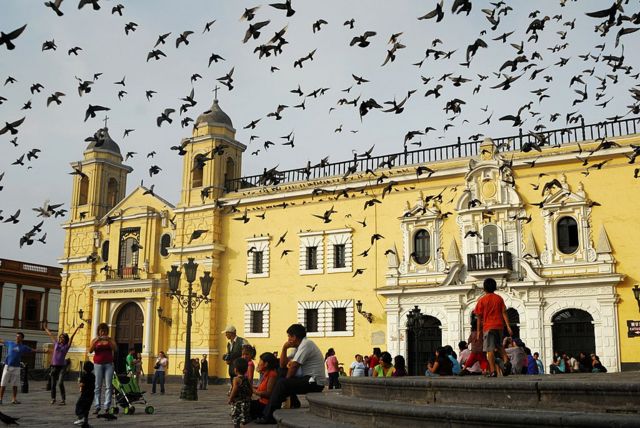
148 324
453 324
95 317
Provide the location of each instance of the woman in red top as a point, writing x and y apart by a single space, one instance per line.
268 368
103 348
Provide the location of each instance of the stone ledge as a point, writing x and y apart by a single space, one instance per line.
598 393
375 413
302 418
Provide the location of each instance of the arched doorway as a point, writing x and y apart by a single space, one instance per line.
573 332
423 340
128 333
514 323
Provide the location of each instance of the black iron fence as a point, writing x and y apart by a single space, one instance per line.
124 272
489 261
555 137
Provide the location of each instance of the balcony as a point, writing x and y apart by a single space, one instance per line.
123 272
482 265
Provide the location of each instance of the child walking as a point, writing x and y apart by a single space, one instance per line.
87 387
240 397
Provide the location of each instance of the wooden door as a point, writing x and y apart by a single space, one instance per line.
129 330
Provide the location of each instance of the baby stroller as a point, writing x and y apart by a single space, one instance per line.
127 392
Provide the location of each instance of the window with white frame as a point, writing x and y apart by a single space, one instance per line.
311 253
339 250
258 260
256 320
338 256
258 257
311 315
339 318
312 258
327 318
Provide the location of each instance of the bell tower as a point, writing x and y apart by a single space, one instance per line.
100 179
213 157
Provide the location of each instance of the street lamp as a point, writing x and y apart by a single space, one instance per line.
368 315
81 316
189 301
415 323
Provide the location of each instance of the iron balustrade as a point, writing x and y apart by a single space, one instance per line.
555 137
125 272
489 261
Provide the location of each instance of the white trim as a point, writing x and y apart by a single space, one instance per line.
260 244
72 260
311 239
325 317
339 237
317 304
264 308
198 248
328 308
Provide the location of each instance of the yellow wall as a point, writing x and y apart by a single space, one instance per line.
613 187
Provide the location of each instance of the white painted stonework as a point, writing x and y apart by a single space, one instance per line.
537 287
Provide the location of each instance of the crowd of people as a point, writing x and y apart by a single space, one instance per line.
256 391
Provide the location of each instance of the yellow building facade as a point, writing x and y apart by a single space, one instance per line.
350 249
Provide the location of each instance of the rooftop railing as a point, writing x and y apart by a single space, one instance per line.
554 137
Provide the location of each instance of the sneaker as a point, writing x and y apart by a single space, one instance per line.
96 411
62 403
16 402
53 401
79 421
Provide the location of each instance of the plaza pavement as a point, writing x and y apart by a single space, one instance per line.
210 410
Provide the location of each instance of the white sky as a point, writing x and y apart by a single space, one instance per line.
59 131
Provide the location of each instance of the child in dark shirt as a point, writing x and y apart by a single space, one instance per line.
87 387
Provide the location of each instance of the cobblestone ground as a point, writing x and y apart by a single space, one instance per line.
210 410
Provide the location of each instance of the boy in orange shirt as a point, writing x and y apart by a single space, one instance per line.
492 318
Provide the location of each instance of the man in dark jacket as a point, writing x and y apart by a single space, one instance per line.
234 348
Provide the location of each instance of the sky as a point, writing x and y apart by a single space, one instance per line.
324 127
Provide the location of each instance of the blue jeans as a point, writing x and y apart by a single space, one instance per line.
158 377
104 374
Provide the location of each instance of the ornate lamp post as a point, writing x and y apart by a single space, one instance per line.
415 323
189 301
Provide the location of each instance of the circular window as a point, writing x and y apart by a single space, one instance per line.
165 243
421 247
567 235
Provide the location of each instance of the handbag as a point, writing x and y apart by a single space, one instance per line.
157 366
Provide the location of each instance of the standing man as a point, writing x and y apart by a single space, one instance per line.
234 348
11 373
204 372
492 318
305 371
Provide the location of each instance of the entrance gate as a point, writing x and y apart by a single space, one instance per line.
423 341
573 332
128 333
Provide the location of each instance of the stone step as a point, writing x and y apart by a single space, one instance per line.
338 409
594 393
303 418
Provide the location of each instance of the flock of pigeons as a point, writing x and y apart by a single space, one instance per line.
601 68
